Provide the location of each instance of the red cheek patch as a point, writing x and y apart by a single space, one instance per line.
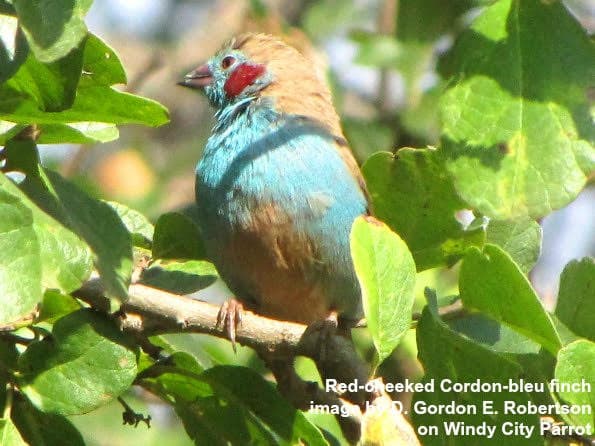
243 76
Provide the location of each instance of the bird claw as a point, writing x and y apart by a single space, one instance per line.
230 318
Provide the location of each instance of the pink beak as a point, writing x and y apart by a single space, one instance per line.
198 78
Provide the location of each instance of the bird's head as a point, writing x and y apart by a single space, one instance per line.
263 66
231 75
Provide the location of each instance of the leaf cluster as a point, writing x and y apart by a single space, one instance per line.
514 143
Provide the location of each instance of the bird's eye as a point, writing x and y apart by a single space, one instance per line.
227 62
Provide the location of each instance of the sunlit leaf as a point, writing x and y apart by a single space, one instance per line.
386 273
86 362
54 28
518 134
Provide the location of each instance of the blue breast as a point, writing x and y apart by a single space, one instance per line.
256 156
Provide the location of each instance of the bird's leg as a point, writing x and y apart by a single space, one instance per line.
230 318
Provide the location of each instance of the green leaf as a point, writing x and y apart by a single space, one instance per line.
518 133
66 259
56 305
258 396
38 88
49 87
20 262
367 136
72 133
184 361
139 226
576 305
566 334
412 193
576 367
13 47
447 358
54 28
180 277
46 429
106 104
21 155
92 220
520 238
417 20
101 64
94 104
85 363
493 335
386 274
177 377
8 358
36 252
77 133
177 237
234 405
9 435
537 363
491 282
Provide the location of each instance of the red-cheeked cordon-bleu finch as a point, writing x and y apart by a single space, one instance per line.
277 187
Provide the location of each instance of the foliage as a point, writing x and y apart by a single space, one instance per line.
514 142
386 272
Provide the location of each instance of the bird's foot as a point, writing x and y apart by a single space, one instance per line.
230 318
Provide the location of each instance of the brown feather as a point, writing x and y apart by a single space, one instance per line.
268 260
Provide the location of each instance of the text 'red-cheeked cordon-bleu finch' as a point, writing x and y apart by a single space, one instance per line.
277 187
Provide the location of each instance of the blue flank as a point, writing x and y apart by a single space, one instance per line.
256 155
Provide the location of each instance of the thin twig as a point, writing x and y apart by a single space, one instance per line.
131 417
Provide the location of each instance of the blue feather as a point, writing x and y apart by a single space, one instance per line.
257 157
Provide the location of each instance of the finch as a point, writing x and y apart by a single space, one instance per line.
277 186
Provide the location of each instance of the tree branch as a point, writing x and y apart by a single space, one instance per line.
149 311
152 311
